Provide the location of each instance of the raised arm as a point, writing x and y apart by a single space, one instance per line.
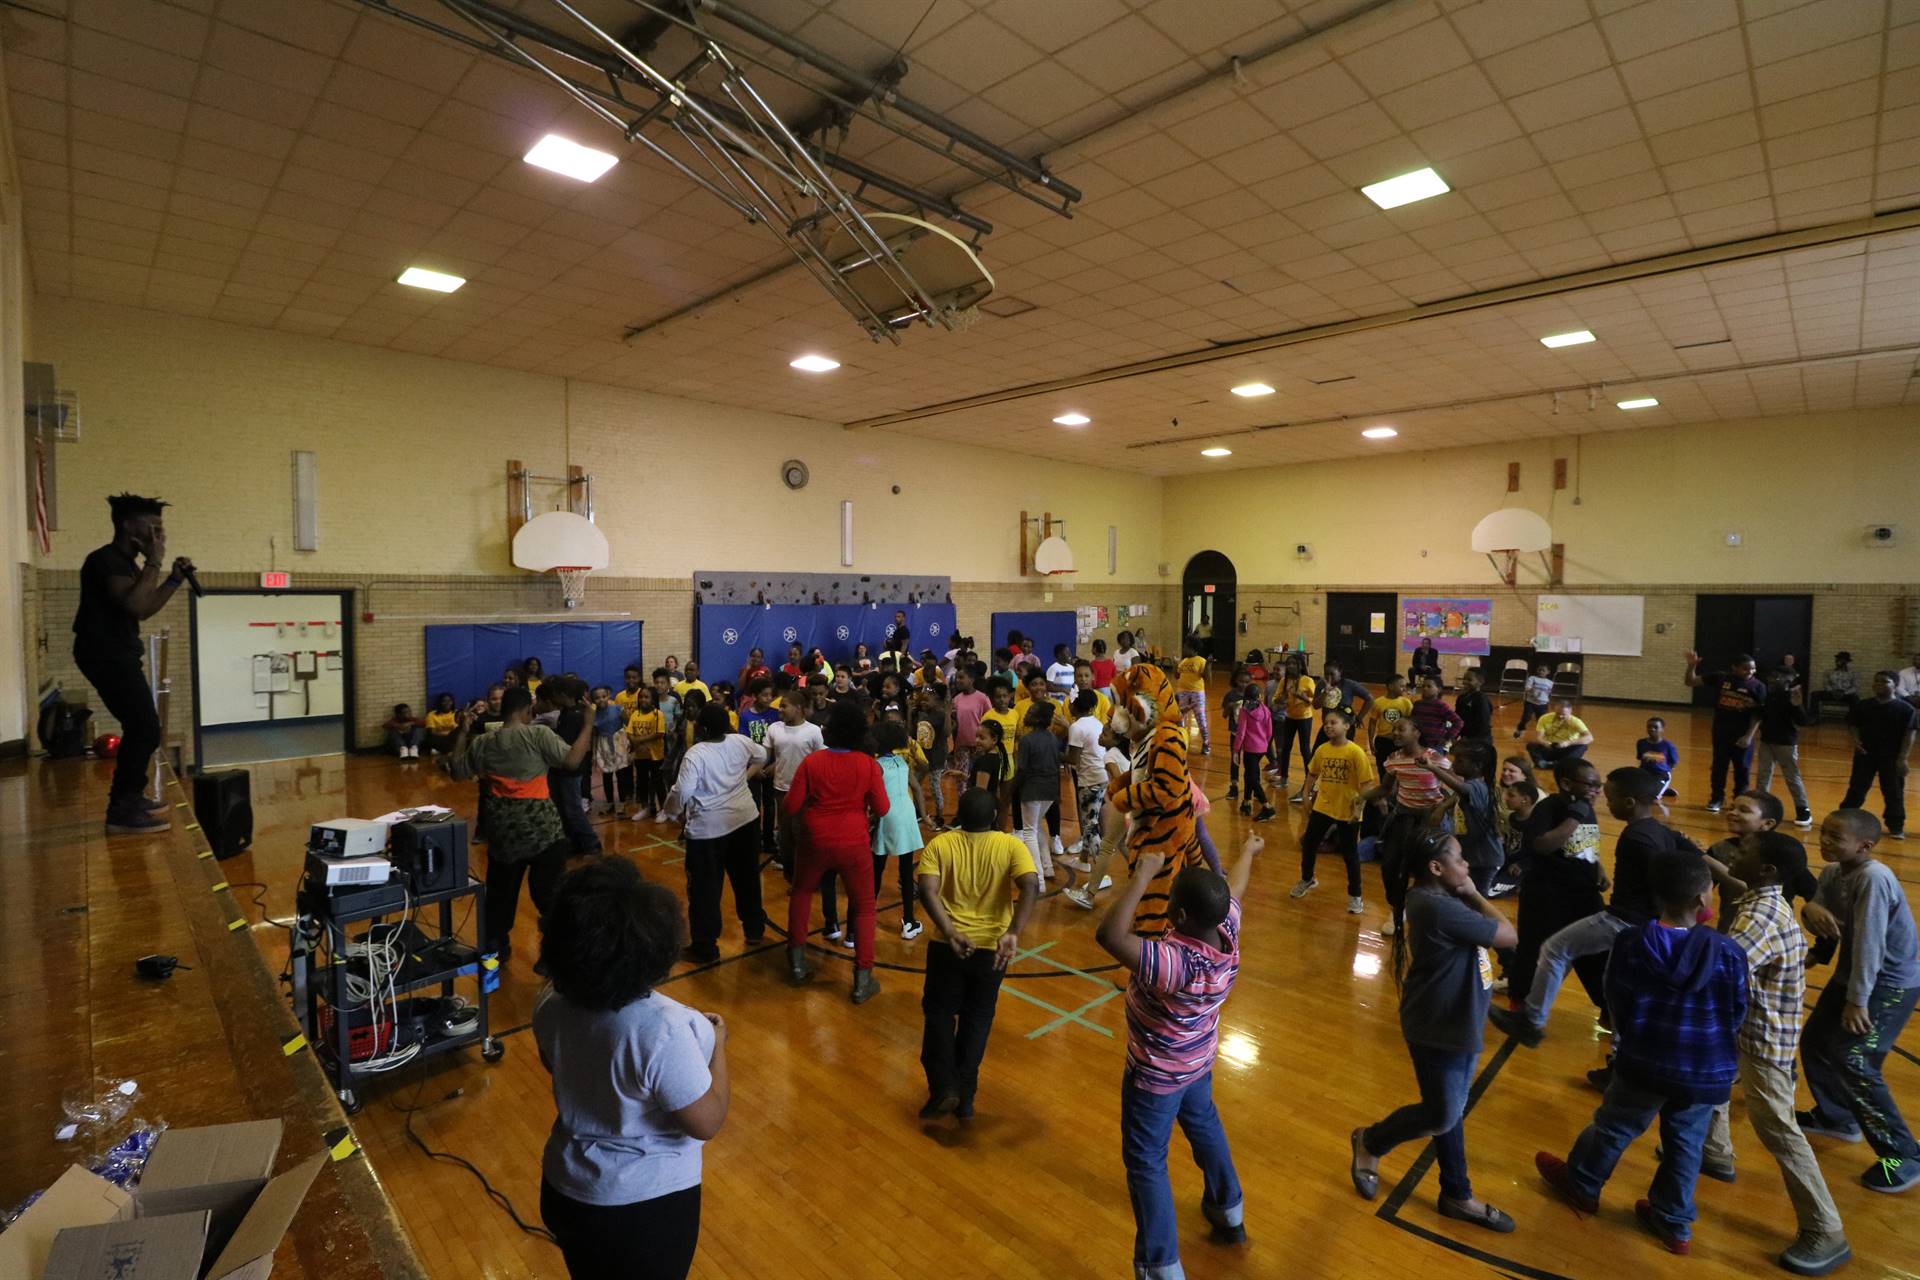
1115 935
1242 873
1693 677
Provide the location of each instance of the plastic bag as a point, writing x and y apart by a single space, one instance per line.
98 1114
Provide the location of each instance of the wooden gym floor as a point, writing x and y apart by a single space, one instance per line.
823 1169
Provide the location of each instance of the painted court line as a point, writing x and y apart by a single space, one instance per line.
1062 1016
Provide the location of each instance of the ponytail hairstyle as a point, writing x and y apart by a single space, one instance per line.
1416 858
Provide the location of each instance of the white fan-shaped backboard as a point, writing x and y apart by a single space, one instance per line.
560 540
1053 556
1513 529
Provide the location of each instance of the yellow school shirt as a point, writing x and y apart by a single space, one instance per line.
977 871
1343 773
680 688
1388 712
1192 677
532 682
1557 730
639 722
443 721
1024 705
627 700
1010 729
1300 700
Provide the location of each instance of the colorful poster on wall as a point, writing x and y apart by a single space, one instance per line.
1457 626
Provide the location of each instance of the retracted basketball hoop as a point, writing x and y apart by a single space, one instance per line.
566 545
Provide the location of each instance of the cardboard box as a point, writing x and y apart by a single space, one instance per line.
205 1207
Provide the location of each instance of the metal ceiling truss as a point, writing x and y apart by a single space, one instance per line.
708 122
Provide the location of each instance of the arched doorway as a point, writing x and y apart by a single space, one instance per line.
1207 610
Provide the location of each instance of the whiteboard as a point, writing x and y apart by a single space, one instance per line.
1590 624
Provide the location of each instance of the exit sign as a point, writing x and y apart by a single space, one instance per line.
276 580
1207 590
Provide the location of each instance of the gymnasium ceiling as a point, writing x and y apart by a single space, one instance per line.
275 163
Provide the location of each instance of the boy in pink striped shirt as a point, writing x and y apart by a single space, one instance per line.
1179 983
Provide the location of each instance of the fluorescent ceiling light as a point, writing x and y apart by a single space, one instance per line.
1644 402
1379 433
567 157
1577 338
1251 389
1216 452
1073 420
438 281
814 364
1406 188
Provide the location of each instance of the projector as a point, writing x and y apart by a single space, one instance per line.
346 838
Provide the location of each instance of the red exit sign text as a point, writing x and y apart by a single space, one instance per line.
276 580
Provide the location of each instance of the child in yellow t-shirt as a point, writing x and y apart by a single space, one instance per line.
647 745
628 697
1190 694
1000 693
1296 689
1388 711
1337 775
443 723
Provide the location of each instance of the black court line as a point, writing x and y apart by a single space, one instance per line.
1403 1190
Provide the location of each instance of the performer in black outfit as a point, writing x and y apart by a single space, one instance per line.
117 592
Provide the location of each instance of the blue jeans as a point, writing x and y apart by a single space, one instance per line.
1622 1116
1588 936
1445 1077
1146 1127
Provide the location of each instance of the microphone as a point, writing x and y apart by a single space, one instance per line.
193 584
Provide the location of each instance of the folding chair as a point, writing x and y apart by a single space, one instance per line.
1566 680
1513 677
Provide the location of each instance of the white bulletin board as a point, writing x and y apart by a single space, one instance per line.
1590 624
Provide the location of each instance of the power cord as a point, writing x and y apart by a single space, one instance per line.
498 1196
260 901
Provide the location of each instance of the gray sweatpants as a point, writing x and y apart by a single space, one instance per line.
1787 756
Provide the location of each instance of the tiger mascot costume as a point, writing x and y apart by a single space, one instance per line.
1158 793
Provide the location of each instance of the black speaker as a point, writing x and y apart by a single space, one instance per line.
430 853
223 806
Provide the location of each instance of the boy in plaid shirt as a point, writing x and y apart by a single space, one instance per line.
1763 927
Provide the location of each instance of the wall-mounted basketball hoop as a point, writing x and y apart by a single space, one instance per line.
1511 531
1052 558
566 545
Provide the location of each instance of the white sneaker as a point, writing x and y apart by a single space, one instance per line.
834 935
1079 898
910 930
1058 848
847 941
1106 882
1302 888
641 815
1386 928
1805 824
1356 905
1073 848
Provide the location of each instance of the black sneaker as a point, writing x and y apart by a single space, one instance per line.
1515 1026
1233 793
135 822
943 1105
1600 1078
1814 1123
1265 815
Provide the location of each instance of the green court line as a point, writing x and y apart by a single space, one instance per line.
1094 1003
1094 978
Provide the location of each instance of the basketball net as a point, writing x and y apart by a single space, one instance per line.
573 583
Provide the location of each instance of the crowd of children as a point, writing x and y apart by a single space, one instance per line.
1691 1006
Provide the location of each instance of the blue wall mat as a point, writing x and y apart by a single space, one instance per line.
722 635
1048 628
836 630
464 659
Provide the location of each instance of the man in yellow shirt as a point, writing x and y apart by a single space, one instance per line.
979 886
692 681
1190 694
1560 734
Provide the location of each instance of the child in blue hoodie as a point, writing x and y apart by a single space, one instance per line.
1678 994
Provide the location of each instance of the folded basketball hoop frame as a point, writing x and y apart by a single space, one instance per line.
706 120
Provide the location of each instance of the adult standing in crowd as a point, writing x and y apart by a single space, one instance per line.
722 830
1736 718
525 838
640 1081
832 795
117 593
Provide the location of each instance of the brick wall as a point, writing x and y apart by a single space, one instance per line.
1873 621
389 653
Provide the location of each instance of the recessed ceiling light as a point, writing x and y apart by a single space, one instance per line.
567 157
438 281
1251 389
1406 188
1380 433
1574 339
1644 402
1216 452
814 364
1073 420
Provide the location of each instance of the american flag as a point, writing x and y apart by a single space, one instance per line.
40 490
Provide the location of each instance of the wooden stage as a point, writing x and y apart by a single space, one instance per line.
823 1170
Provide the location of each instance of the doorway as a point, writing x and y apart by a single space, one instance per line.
1765 627
1209 614
1363 635
272 675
